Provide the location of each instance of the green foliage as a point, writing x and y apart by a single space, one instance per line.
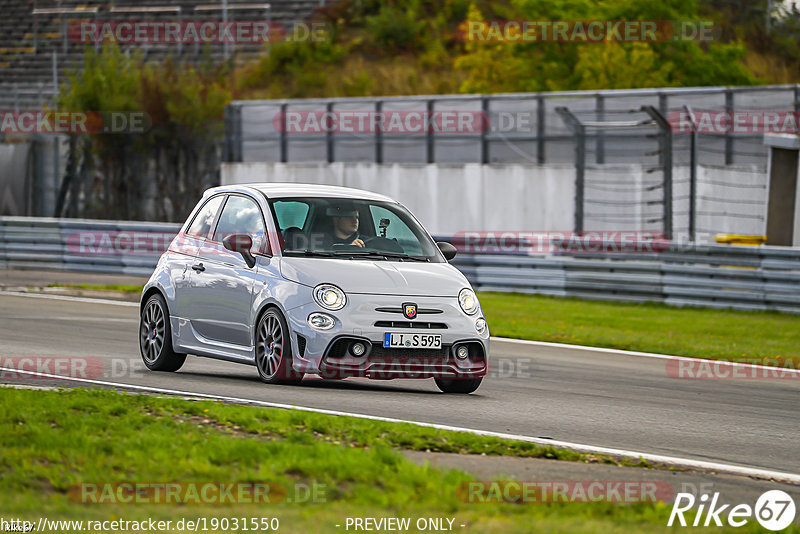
53 441
185 97
297 66
185 107
529 66
410 46
110 80
615 66
397 30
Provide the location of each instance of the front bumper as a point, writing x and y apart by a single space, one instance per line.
327 352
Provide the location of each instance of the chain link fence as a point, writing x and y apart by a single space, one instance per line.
630 171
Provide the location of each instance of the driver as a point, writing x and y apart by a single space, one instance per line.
345 225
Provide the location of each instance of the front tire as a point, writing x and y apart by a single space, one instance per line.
155 337
274 350
449 385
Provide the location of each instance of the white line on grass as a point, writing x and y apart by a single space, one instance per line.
754 472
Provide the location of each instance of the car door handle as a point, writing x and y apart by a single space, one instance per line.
198 267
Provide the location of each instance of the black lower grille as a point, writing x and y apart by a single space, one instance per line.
380 352
411 325
301 345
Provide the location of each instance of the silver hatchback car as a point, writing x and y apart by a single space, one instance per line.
298 279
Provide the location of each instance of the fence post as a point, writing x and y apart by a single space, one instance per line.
728 139
540 118
580 162
284 138
228 146
797 98
666 129
378 132
485 125
601 140
663 106
329 133
692 176
430 154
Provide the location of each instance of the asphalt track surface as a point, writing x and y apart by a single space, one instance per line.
606 399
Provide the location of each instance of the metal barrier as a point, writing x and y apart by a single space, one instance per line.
83 245
718 276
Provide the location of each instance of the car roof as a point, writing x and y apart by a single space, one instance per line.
288 189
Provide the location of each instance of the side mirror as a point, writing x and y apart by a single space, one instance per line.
241 243
448 251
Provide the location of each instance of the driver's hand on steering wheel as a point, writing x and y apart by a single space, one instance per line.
358 242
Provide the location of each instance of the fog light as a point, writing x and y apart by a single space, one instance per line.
321 321
358 349
462 352
480 326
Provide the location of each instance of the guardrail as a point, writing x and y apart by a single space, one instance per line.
719 276
83 245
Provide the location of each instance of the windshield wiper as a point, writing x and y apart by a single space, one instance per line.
307 252
385 255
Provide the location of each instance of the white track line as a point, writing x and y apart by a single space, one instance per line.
67 297
642 354
547 344
764 474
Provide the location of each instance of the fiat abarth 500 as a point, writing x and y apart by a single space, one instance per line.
308 279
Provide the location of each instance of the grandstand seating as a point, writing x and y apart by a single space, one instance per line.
34 40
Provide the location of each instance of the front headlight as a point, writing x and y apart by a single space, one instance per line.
329 297
468 301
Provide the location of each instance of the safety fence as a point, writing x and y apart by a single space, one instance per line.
116 247
719 276
504 128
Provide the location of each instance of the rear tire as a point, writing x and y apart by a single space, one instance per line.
449 385
274 350
155 337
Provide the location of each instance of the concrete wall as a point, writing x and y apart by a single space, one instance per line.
446 198
454 198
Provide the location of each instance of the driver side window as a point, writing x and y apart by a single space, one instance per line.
241 216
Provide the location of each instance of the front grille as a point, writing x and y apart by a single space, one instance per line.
410 325
420 311
301 345
379 352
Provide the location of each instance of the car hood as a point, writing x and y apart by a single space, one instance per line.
377 277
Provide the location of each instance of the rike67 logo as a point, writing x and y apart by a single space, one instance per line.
774 510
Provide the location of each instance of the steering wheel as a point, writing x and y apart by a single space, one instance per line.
365 239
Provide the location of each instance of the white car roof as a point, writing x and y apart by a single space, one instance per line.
287 189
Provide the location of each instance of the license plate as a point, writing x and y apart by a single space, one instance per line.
412 341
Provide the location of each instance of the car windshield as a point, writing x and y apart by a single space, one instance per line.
352 229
